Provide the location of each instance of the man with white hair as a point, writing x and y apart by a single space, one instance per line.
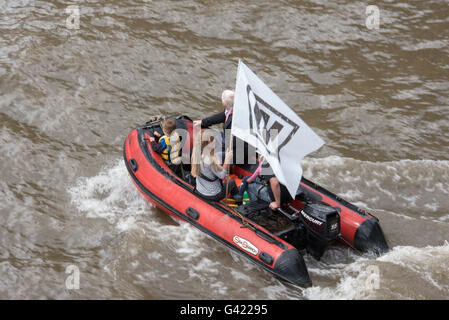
225 117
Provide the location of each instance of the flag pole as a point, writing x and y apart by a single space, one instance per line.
229 168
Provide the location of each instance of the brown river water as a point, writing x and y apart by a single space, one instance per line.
68 97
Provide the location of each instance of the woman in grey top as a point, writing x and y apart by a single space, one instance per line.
207 170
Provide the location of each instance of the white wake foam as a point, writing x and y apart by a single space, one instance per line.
419 188
369 278
110 195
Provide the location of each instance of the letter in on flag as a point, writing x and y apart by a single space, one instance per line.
264 121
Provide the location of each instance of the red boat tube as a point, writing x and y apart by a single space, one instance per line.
175 196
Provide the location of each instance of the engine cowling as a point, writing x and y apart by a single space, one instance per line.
322 223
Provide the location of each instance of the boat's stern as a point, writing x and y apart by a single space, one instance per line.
370 238
290 265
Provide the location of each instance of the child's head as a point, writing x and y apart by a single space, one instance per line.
168 125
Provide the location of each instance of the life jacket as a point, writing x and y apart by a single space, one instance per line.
172 153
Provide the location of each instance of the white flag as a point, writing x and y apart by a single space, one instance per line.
263 120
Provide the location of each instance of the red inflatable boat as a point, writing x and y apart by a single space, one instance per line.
273 240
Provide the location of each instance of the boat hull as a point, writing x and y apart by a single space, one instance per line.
168 192
174 196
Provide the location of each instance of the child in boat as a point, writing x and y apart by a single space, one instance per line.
169 145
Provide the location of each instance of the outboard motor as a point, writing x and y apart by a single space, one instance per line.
314 227
321 224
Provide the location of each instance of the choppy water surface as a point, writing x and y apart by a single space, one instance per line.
68 98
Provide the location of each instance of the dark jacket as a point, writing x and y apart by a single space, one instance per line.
221 118
216 119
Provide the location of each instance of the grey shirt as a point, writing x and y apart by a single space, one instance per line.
209 188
